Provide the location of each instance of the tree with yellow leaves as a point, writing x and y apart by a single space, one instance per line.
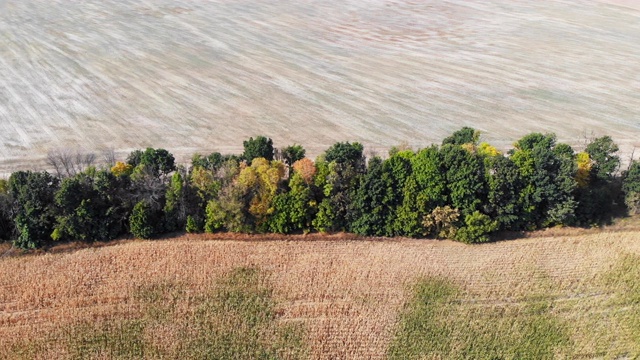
121 169
583 173
487 150
260 181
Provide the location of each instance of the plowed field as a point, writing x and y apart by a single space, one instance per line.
204 75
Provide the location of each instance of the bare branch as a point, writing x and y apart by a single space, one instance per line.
109 157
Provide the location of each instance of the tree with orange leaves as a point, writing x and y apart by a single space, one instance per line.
306 168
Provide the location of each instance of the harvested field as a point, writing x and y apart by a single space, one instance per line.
203 75
344 296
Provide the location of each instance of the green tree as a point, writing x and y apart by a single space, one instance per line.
477 228
345 153
466 135
116 194
603 152
504 186
176 206
211 162
342 180
135 158
337 177
600 187
7 226
193 225
548 172
325 218
260 147
143 221
395 171
34 207
631 187
216 216
293 153
563 203
464 176
230 211
160 161
203 185
227 208
424 190
156 161
368 202
90 207
295 209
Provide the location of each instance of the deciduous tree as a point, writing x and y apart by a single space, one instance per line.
464 176
631 187
261 181
33 195
442 222
476 229
466 135
260 147
548 172
424 190
504 187
395 171
143 221
295 209
368 203
306 168
293 153
603 151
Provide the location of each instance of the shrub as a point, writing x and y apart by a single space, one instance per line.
141 221
193 225
477 228
442 222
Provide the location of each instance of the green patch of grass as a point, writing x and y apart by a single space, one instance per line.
236 319
112 340
423 329
437 324
623 309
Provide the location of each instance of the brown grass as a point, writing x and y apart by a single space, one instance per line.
346 291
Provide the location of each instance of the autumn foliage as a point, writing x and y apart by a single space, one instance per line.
306 168
463 189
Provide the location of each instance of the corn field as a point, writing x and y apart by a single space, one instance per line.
340 297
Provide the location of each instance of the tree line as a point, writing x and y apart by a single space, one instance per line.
462 189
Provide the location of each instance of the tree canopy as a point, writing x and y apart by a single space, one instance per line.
463 190
260 147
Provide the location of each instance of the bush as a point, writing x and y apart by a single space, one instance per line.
442 222
631 188
193 225
215 217
141 221
477 228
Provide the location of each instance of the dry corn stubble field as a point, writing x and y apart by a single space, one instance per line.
204 75
345 297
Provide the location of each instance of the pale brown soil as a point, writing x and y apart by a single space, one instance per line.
204 75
